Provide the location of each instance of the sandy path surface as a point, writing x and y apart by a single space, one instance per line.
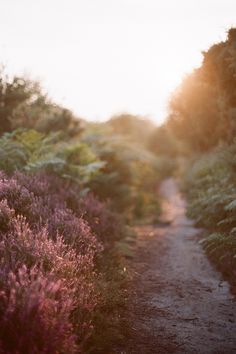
180 304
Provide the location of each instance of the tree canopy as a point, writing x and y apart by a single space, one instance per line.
203 109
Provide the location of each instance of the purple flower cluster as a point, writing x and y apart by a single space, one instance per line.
35 314
50 238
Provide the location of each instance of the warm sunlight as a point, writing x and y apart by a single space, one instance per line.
99 57
118 177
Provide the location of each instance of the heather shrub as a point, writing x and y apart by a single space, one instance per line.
6 217
41 233
52 192
35 314
47 210
75 231
105 223
18 197
20 245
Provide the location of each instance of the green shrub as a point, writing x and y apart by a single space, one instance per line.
31 151
131 173
211 190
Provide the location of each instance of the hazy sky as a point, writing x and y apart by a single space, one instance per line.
99 57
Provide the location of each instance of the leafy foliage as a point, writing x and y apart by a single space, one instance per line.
23 104
136 128
203 108
32 151
12 94
163 143
211 189
221 248
130 175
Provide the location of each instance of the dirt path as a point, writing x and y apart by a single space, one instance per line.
180 303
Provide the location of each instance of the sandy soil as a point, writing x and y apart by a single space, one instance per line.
180 303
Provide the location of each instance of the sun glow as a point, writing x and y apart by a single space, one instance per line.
106 56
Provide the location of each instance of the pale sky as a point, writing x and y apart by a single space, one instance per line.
101 57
